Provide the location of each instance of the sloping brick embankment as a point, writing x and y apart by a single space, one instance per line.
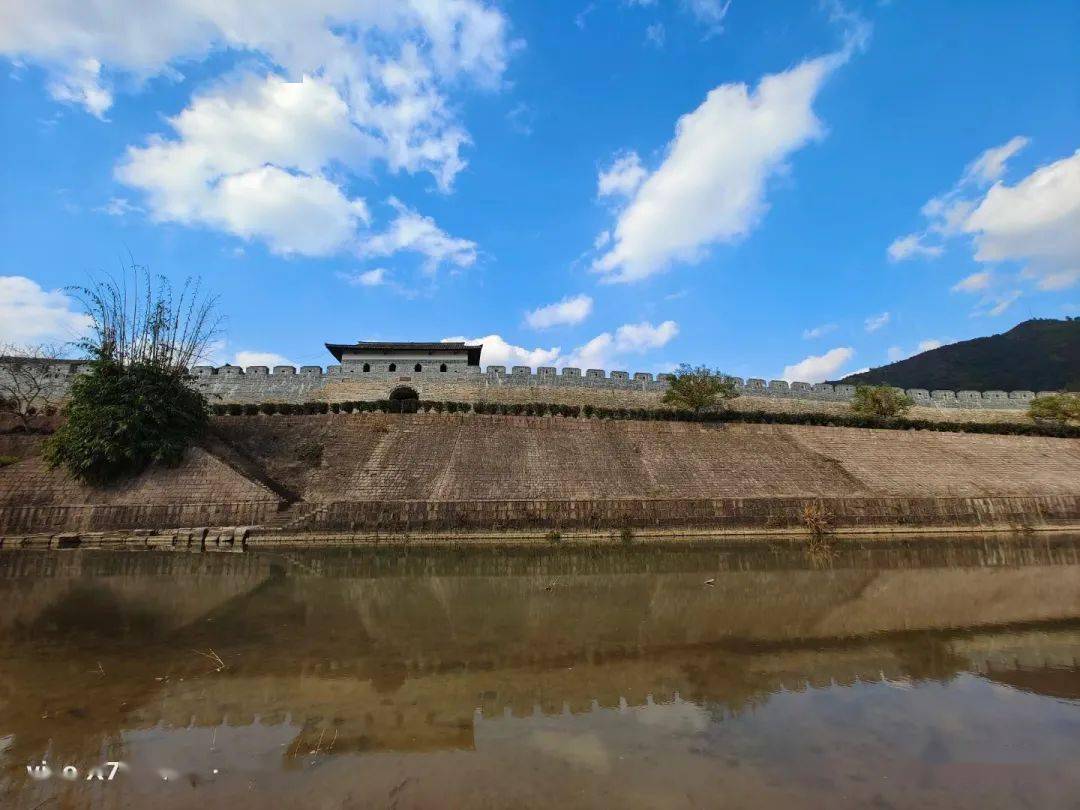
387 473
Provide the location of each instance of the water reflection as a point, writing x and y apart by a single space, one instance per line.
908 674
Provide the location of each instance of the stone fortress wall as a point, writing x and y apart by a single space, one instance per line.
232 384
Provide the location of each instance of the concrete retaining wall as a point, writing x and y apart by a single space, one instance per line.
105 517
705 513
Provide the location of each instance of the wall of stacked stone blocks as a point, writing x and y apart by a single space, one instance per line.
230 384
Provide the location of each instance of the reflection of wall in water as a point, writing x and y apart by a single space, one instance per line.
172 589
436 708
402 662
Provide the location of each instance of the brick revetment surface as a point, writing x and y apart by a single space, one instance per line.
446 471
432 457
200 478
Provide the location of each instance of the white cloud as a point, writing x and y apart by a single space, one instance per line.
382 278
568 311
416 233
709 12
271 157
521 118
816 368
250 358
118 207
291 213
896 353
976 282
84 46
81 84
581 18
710 187
818 331
497 352
993 305
912 245
947 213
597 353
249 159
622 178
371 278
655 35
640 337
988 167
875 322
31 315
607 350
1034 223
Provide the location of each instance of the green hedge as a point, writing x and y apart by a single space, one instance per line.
654 414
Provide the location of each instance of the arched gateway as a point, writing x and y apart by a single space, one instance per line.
403 392
405 397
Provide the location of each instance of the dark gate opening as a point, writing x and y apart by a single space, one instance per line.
406 399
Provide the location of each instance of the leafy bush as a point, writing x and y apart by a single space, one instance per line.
310 453
1057 408
7 460
268 408
120 419
880 400
698 388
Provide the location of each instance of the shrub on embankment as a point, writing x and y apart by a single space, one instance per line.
121 419
1052 430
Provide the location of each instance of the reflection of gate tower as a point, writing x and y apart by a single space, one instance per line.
391 652
406 358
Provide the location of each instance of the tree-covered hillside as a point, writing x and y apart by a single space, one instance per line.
1036 355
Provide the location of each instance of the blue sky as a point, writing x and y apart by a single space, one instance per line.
792 190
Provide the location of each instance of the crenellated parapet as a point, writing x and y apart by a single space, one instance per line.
594 378
284 383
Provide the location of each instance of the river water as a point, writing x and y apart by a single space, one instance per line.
929 674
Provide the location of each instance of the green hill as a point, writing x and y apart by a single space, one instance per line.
1037 355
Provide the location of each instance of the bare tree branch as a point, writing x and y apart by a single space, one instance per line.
28 380
139 318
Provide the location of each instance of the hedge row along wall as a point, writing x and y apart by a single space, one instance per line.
1052 430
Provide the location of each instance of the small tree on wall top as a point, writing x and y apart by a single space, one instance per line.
695 388
135 407
880 400
1061 408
